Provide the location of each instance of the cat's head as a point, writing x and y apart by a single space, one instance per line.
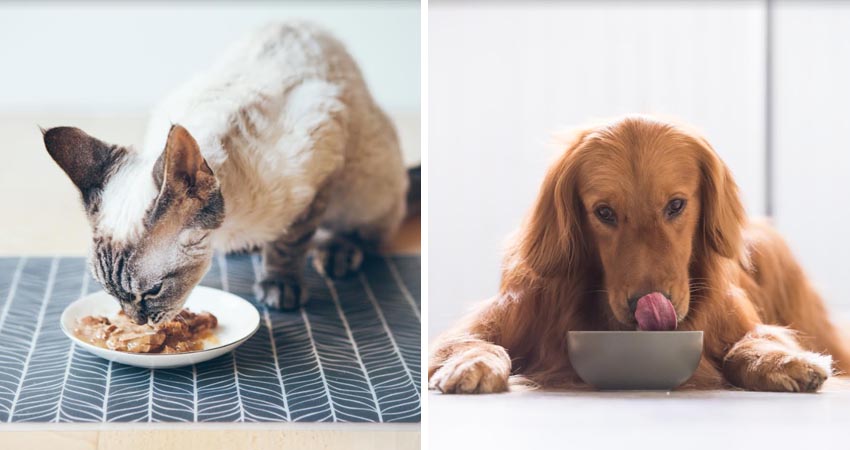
150 215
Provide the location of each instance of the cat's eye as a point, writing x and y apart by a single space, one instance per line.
196 241
674 208
605 214
154 291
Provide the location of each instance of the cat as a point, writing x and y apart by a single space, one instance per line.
279 139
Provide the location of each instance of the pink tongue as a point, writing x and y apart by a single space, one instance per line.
655 313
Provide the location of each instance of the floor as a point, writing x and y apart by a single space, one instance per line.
637 420
220 437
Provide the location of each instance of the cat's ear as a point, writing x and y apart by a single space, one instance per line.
87 161
189 191
181 167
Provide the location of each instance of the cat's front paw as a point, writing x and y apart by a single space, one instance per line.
285 293
338 258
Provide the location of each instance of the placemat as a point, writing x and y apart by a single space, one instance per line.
352 355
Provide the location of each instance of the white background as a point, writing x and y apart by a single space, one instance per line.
505 76
102 57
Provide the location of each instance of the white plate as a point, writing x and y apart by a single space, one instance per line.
238 320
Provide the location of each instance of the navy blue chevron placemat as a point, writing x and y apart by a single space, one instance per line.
352 355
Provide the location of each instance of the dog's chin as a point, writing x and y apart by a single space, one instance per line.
681 312
682 308
623 319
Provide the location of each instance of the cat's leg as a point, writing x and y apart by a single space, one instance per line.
339 255
367 201
341 252
315 118
282 283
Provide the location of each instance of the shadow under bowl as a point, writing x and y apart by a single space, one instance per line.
635 360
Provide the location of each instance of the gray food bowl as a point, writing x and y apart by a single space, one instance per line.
644 360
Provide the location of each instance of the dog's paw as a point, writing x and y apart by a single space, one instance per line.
480 369
782 371
338 258
805 372
286 293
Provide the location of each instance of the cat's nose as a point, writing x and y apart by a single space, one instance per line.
139 317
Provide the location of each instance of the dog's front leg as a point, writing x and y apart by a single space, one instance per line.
468 360
467 365
768 358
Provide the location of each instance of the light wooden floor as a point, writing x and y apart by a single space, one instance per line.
42 216
226 437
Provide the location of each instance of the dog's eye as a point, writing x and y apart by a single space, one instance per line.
674 208
606 214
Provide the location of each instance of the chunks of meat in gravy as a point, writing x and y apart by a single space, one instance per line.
185 333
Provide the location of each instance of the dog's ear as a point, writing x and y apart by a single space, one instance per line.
723 213
550 242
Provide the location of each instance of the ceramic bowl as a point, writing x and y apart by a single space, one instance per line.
635 360
238 320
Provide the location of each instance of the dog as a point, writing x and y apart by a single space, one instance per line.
639 224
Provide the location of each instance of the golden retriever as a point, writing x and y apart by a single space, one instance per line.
640 208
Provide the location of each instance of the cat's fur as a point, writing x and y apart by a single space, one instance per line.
281 137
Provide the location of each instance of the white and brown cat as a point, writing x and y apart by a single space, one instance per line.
279 139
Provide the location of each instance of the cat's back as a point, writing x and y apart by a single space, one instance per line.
256 74
284 113
284 52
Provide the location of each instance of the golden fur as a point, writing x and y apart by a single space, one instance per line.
765 326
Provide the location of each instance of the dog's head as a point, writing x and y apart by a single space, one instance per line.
640 200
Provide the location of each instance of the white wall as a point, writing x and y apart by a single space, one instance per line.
102 57
812 134
503 76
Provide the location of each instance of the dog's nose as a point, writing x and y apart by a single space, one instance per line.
633 303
